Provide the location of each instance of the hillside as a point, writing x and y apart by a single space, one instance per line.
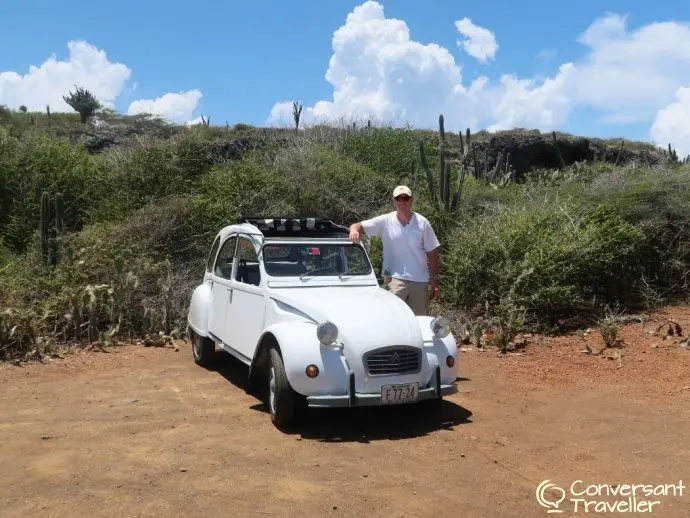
528 149
131 204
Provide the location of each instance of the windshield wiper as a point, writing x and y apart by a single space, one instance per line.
323 268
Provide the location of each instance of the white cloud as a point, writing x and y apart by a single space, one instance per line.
544 106
629 75
195 121
86 66
672 124
378 70
176 107
480 43
281 114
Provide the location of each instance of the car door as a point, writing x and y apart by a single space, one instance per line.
246 310
221 289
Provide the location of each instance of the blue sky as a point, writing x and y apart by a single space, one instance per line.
607 68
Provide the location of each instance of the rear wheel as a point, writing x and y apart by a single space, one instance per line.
281 397
203 349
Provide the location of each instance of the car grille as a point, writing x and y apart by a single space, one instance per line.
393 360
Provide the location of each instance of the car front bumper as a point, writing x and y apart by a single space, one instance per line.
435 390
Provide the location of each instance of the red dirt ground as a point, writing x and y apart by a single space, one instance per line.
142 431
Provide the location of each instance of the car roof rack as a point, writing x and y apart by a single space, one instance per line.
296 227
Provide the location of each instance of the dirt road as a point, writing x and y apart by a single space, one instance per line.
144 432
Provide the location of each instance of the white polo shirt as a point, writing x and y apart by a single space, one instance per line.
404 246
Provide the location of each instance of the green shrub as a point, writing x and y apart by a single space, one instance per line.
152 169
35 164
315 180
657 201
554 258
389 151
245 187
115 281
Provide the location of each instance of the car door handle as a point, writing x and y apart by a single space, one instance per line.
229 294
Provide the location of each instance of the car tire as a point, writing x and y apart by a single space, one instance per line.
203 349
281 397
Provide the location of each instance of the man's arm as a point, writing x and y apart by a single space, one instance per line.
356 230
435 262
371 226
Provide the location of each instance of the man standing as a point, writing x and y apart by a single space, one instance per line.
408 242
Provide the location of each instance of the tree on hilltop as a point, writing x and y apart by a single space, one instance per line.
84 102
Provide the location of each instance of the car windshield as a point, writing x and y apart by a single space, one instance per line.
307 259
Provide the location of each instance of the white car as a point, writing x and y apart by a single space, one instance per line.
299 303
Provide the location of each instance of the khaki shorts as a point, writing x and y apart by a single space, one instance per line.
416 294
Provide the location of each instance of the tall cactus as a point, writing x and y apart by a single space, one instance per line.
442 197
467 149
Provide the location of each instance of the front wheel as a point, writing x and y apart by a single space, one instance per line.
281 397
203 349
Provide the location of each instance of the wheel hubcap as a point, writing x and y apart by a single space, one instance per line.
196 346
272 390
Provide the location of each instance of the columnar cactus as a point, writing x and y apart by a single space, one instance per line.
296 113
442 197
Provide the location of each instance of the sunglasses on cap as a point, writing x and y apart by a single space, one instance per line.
402 197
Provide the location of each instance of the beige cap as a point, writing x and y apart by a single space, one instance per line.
401 189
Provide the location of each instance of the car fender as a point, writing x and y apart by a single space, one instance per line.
438 349
299 348
199 308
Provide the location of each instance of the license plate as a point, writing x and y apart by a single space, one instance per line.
401 393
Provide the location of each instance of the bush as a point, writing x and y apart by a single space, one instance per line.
115 282
152 169
315 180
35 164
657 201
388 151
554 259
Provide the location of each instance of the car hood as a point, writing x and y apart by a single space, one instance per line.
364 315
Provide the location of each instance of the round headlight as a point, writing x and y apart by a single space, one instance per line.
440 327
327 333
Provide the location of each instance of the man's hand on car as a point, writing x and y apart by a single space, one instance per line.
354 233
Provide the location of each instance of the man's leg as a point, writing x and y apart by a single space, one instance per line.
398 287
418 297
